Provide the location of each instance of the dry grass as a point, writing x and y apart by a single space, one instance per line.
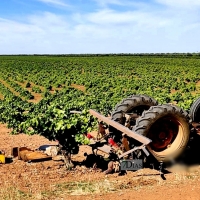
30 189
35 191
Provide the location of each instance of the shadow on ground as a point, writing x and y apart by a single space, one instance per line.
189 158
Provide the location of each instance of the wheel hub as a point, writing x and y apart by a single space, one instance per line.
163 134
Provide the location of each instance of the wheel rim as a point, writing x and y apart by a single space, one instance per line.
165 133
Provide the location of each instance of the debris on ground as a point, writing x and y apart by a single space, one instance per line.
44 152
2 157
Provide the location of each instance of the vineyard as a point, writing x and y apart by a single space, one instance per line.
38 92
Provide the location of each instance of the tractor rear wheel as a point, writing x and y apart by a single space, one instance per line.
168 128
195 111
133 106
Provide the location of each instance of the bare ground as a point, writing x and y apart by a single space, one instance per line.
50 179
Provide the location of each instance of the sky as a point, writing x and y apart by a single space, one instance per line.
99 26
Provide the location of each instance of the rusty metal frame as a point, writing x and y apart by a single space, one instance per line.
142 147
144 140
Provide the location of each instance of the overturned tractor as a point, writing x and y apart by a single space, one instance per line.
139 127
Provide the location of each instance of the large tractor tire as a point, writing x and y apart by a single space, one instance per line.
195 111
135 104
168 128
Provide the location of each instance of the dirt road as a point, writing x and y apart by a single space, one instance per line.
50 180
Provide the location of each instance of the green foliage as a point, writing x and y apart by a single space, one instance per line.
82 139
106 79
36 89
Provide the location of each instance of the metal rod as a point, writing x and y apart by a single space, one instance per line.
121 128
134 149
130 151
